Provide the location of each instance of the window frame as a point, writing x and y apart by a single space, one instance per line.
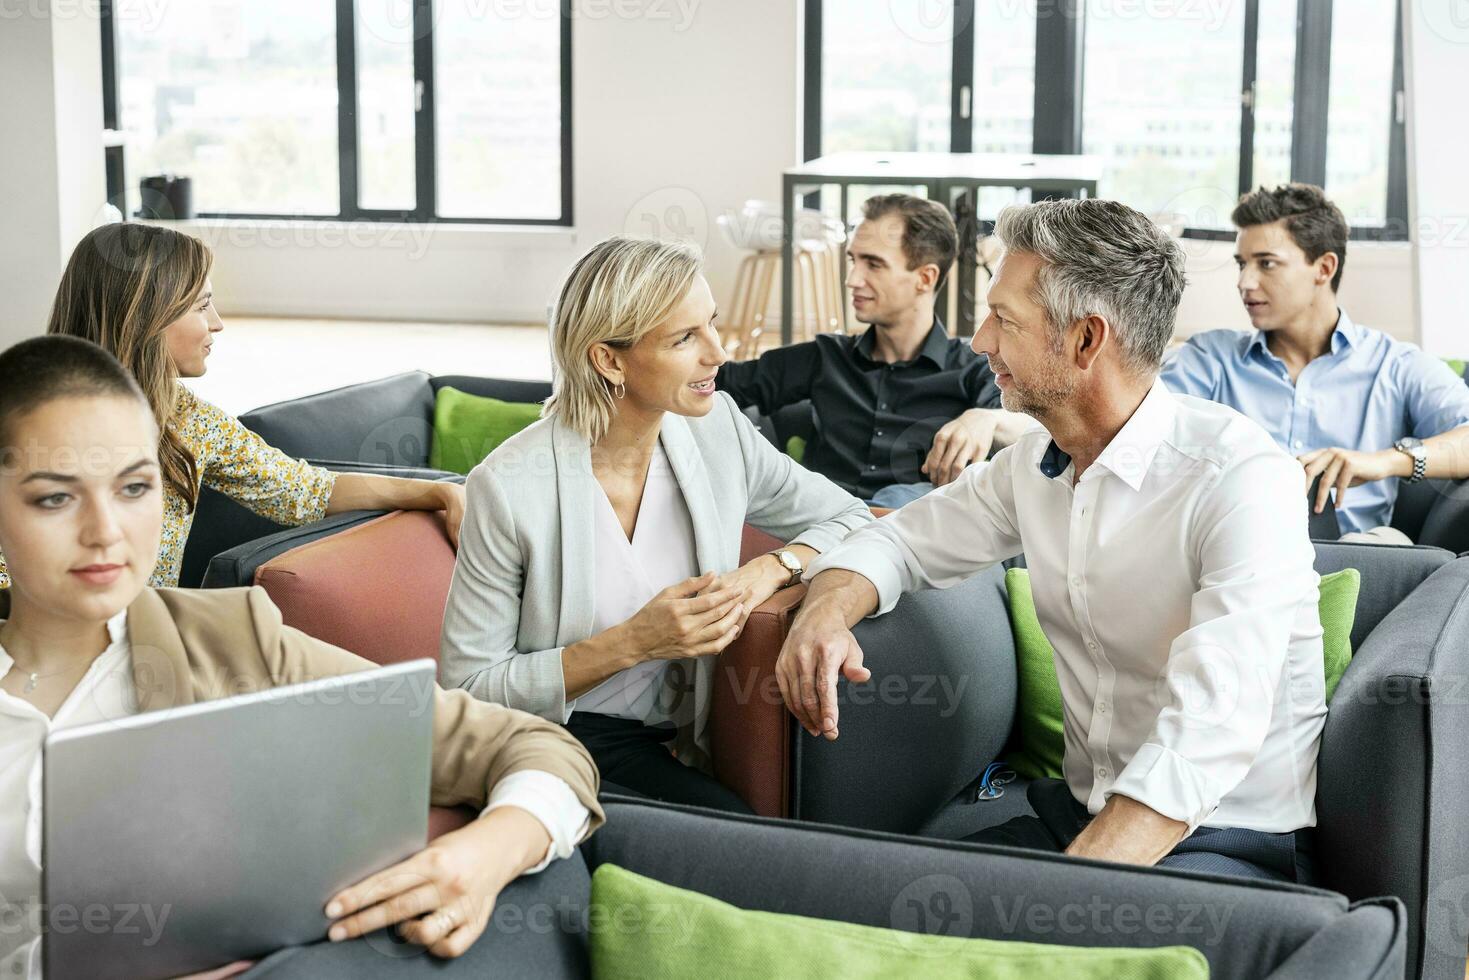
425 128
1060 55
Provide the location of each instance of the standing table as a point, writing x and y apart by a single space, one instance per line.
951 178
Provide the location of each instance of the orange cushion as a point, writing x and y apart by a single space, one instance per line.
377 589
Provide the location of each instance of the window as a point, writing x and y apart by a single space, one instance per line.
319 109
1360 108
885 85
240 97
1190 104
1162 109
1002 112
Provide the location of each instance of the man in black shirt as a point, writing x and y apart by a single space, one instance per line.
901 408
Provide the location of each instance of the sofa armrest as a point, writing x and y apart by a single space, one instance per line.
1393 777
750 728
940 705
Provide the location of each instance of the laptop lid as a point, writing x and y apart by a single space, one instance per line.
179 840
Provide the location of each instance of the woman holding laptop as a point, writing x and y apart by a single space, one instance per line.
85 639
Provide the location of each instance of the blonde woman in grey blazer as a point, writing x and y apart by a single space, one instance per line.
598 570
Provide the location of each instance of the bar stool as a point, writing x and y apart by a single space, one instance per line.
818 300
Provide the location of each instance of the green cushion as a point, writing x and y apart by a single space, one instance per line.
642 929
1456 365
467 428
1041 744
796 448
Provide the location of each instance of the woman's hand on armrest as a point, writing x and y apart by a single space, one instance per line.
373 491
760 578
687 619
443 896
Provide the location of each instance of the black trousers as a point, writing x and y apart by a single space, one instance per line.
1216 850
634 759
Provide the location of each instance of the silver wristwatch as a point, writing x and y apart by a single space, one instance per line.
1415 448
791 564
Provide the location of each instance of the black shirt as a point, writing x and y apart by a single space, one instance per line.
875 421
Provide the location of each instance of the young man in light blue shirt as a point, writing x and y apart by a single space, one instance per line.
1354 405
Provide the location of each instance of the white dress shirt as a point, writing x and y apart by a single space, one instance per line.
107 692
1174 581
628 574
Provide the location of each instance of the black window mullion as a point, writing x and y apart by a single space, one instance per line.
1397 147
1059 40
566 176
1247 96
961 83
425 146
1312 92
811 96
347 108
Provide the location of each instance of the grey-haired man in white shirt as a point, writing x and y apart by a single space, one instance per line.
1166 538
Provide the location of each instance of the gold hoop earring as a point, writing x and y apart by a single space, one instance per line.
620 390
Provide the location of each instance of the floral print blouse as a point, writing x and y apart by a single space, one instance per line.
239 464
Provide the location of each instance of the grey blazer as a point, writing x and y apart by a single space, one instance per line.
523 582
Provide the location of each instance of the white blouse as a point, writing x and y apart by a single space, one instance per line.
105 693
629 573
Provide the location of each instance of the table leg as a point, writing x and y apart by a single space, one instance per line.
787 257
966 217
842 256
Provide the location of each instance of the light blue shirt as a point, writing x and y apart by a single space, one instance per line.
1366 393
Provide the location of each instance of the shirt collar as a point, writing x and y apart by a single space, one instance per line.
1346 335
935 346
1131 451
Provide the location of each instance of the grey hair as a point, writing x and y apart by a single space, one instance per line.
1101 258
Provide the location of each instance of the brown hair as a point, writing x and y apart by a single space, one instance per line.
929 234
43 369
124 285
1315 224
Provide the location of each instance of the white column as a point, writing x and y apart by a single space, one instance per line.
1436 74
52 181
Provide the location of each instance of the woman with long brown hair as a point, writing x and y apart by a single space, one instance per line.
142 293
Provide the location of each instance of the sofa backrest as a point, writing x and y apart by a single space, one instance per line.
1393 774
1389 574
354 589
385 422
505 389
1246 929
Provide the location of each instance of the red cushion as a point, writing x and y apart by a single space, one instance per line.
377 589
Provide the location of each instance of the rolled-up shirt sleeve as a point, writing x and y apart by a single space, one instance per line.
940 539
552 802
1224 677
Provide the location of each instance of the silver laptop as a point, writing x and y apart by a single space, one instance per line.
188 838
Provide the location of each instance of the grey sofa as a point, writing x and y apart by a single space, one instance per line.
1246 930
1393 788
382 426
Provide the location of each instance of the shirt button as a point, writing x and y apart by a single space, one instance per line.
1091 645
1103 772
879 432
1102 707
882 405
870 466
1297 444
1076 581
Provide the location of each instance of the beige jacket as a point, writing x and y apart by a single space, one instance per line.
193 645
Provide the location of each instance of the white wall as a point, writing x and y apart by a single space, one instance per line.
51 172
1374 289
1436 65
675 120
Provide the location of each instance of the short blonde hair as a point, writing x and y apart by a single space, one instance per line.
615 294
